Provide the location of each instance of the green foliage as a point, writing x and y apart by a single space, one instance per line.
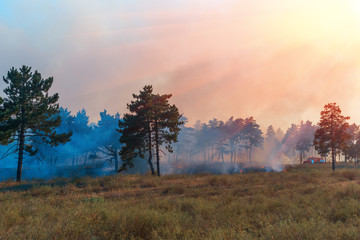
151 123
29 114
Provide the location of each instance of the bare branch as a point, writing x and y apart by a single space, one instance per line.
7 152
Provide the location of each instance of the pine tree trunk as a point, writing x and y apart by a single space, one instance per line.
333 155
85 159
116 160
232 153
157 148
150 163
150 153
212 153
21 153
250 155
235 153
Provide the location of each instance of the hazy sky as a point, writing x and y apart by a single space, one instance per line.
280 61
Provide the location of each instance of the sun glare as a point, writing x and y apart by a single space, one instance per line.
355 7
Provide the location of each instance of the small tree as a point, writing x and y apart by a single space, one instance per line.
152 122
331 134
33 113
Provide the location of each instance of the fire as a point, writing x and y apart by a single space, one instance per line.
179 165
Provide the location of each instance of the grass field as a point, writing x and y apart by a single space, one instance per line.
305 202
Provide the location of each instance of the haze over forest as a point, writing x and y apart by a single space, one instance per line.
279 61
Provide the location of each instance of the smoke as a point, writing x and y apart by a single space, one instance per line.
221 148
280 58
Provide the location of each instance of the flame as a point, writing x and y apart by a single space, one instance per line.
179 165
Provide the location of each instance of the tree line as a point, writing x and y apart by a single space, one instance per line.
32 124
236 140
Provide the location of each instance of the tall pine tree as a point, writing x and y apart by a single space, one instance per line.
332 132
152 122
33 113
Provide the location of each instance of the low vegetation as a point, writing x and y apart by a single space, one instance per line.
303 202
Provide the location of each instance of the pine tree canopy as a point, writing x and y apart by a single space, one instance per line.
332 132
29 111
151 123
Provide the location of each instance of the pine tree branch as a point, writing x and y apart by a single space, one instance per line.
7 152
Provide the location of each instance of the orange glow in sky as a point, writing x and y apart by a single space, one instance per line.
279 61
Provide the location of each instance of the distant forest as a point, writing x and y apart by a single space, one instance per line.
55 137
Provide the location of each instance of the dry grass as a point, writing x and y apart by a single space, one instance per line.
306 202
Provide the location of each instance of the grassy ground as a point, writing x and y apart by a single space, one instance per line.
305 202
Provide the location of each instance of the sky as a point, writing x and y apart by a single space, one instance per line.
277 60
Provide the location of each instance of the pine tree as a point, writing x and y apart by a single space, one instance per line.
34 113
305 138
331 134
152 122
270 133
165 125
5 133
252 135
234 129
290 139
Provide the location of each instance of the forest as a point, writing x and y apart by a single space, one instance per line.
51 141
